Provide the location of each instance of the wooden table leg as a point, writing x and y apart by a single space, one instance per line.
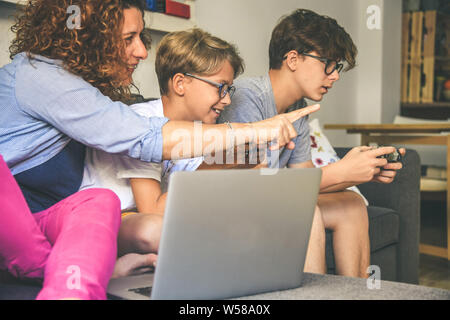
365 139
443 252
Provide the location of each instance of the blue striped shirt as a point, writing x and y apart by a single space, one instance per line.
43 106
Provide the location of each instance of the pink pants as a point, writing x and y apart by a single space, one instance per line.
72 245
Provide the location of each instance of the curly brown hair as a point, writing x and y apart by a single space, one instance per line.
95 51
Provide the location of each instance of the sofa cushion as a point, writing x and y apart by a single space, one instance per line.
18 291
384 227
12 288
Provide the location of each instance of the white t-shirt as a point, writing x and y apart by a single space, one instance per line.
113 171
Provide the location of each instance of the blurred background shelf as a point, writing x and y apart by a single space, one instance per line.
154 20
431 111
11 1
425 56
166 23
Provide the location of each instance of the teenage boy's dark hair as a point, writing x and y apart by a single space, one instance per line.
306 31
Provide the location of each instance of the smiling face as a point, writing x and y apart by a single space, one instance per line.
311 78
191 66
201 99
135 50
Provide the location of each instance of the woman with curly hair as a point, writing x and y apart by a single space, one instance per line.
72 64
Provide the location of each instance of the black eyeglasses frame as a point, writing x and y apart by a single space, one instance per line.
224 88
338 66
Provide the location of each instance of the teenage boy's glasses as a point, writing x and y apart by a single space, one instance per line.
223 87
330 65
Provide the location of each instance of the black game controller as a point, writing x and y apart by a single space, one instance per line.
392 157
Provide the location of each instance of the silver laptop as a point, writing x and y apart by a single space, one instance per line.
230 233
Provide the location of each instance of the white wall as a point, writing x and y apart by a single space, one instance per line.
369 75
391 60
7 10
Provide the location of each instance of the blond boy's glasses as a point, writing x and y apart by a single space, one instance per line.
224 88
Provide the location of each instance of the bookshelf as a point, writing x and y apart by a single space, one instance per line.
431 111
425 57
166 23
154 20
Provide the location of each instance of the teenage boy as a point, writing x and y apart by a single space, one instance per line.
306 54
195 72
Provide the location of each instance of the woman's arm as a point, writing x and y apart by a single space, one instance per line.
182 139
243 157
80 111
148 196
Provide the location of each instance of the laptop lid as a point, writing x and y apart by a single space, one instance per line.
232 233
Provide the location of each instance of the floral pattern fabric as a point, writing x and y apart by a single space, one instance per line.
322 153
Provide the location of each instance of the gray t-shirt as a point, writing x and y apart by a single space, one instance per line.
254 101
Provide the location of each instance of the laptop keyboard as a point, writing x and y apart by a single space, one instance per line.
146 291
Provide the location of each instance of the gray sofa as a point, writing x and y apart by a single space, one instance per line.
393 229
394 222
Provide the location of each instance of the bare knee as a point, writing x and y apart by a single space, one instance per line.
356 209
345 208
143 234
149 235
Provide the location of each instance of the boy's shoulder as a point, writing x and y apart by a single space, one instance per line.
152 108
257 85
252 101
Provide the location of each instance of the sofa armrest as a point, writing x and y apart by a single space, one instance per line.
403 196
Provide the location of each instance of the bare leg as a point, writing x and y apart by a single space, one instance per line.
138 243
140 233
315 256
346 215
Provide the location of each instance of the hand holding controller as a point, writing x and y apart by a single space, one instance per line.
388 172
395 156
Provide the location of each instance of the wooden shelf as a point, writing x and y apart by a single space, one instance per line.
431 111
433 196
154 20
13 1
166 23
424 128
427 105
441 58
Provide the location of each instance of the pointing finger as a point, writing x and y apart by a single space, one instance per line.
297 114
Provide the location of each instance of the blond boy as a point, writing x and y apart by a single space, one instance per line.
195 73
